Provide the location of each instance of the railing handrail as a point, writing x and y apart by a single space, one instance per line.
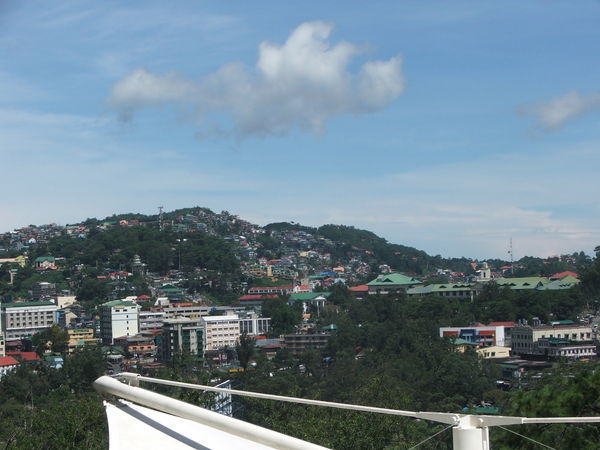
245 430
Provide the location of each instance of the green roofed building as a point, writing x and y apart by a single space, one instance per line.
308 299
392 282
450 290
522 284
564 283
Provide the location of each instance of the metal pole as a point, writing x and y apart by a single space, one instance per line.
470 435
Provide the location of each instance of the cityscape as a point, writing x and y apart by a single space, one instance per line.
346 225
211 297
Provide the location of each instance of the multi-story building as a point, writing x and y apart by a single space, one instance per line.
43 290
220 331
525 337
275 290
300 342
493 334
181 335
151 320
254 325
117 319
563 348
27 318
189 310
81 337
138 345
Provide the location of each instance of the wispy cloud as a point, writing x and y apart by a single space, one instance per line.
553 114
483 204
298 85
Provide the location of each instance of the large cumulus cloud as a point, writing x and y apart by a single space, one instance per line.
298 85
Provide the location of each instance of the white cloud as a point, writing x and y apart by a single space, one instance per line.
298 85
483 203
553 114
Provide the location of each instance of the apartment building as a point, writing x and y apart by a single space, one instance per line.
25 319
181 336
300 342
81 337
189 310
118 318
151 320
220 331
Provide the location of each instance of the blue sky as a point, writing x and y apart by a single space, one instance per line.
447 126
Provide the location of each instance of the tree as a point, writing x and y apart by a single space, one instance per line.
283 317
244 349
570 390
53 338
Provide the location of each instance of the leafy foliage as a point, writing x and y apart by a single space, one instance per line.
47 408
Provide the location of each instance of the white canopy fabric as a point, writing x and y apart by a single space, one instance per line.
134 427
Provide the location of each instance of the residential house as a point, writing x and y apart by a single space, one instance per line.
45 263
7 363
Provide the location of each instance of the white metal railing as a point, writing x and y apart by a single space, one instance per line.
244 430
470 432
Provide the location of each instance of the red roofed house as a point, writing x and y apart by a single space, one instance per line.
255 299
561 275
25 356
7 363
360 291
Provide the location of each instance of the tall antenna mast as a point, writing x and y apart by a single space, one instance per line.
160 218
510 252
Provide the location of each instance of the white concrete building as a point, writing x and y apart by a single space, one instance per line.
254 325
525 338
25 319
117 319
482 335
220 331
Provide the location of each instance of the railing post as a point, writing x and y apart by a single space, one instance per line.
469 434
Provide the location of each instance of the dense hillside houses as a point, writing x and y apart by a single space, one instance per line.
192 286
